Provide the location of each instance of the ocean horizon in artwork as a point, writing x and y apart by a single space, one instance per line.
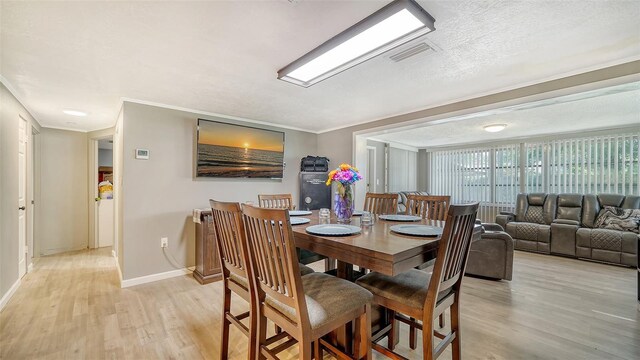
225 161
226 150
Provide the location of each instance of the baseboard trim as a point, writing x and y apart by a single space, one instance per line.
6 297
155 277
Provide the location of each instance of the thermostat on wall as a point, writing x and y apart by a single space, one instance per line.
142 154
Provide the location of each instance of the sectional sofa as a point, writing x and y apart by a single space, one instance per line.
566 224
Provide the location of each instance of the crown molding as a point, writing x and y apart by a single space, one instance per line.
207 113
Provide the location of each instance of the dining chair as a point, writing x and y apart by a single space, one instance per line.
381 204
305 307
276 201
230 233
424 295
285 201
432 207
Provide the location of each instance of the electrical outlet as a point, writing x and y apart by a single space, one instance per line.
164 242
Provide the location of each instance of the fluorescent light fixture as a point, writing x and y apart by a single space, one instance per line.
495 127
395 24
74 112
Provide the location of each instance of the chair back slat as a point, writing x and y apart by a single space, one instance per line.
453 250
381 204
229 227
430 207
273 257
276 201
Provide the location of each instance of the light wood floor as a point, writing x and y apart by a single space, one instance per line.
70 307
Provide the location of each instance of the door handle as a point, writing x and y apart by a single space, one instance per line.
22 208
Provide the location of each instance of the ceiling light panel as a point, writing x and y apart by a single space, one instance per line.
395 24
74 112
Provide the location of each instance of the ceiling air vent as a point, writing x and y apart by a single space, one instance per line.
409 52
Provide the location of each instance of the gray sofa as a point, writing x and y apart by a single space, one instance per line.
564 225
530 226
491 255
620 247
402 199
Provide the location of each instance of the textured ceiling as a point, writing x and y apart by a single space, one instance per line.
222 57
602 109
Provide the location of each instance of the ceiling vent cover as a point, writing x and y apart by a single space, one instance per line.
414 50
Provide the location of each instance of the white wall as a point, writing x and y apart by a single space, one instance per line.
64 170
160 193
105 157
10 112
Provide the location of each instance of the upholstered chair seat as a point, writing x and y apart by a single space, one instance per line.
409 288
327 297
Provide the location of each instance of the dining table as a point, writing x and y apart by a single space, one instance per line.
375 248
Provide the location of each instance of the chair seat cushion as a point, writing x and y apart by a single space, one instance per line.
409 288
327 297
304 270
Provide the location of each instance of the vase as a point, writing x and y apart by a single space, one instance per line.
343 203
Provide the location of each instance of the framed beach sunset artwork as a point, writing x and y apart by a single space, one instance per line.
235 151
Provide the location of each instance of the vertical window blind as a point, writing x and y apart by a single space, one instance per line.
403 173
494 175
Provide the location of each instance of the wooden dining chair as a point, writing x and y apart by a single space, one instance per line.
276 201
381 204
426 295
430 207
306 308
230 233
229 227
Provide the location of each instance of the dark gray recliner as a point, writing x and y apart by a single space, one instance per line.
619 247
491 255
530 226
566 224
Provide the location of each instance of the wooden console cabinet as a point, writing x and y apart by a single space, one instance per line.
208 268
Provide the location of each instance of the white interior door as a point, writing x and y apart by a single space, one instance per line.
371 169
22 197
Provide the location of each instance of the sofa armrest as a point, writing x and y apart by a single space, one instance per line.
566 222
492 227
504 218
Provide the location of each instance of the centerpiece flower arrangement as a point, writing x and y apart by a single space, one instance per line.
344 176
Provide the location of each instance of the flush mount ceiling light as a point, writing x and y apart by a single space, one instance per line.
495 127
395 24
74 112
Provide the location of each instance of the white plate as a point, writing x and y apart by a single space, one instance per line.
299 220
333 230
417 230
299 212
400 217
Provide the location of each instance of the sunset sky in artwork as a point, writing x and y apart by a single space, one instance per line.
215 133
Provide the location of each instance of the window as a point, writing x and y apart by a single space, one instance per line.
494 175
402 170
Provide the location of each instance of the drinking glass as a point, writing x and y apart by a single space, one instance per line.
324 215
366 219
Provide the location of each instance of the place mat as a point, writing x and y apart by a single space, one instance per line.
333 230
299 212
400 217
299 220
417 230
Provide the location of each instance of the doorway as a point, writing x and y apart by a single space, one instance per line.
371 169
22 198
103 188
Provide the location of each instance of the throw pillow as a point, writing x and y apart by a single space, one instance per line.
615 218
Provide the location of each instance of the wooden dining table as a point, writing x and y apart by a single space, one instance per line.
376 247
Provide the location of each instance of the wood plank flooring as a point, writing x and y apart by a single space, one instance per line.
71 307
